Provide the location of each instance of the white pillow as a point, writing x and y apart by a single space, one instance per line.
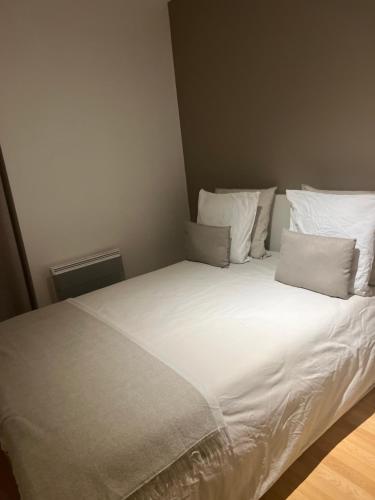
236 210
350 216
306 187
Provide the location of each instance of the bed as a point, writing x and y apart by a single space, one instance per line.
278 365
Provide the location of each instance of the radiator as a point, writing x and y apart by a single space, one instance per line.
87 274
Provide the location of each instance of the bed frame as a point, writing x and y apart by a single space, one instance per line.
279 221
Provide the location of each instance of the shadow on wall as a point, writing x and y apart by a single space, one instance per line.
16 289
8 487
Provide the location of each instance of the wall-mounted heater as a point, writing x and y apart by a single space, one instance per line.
87 274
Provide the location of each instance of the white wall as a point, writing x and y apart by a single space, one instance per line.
90 131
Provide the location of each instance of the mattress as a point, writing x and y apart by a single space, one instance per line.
281 363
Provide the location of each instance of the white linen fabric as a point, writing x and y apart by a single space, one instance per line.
306 187
283 363
237 210
262 219
350 216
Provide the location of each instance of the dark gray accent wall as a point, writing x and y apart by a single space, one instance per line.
276 92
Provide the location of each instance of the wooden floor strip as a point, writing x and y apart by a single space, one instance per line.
339 466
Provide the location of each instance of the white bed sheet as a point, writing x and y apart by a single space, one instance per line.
282 363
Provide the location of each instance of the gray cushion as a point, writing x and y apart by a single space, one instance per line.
306 187
319 263
207 244
262 220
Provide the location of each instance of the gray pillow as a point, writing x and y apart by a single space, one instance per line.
207 244
319 263
262 220
306 187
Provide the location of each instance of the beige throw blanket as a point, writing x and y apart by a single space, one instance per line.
85 413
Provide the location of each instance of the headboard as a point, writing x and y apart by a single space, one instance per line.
279 220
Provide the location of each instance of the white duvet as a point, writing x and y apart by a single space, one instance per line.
282 363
